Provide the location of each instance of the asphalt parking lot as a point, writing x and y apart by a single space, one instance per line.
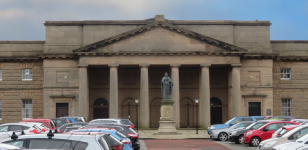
192 144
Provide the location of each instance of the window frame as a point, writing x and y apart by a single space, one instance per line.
283 72
22 112
283 108
22 75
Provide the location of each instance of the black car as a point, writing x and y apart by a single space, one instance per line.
59 122
236 135
77 124
113 142
124 129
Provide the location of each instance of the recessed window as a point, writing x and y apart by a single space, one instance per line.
286 107
285 73
26 109
26 74
0 74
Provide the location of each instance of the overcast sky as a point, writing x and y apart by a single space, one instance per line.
23 19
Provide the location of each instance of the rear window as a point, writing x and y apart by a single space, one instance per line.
59 122
259 119
126 122
112 141
133 130
247 119
282 132
120 135
103 143
258 125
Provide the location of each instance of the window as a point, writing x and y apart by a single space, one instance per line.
49 144
4 128
0 74
26 108
15 128
236 121
285 73
286 107
247 119
26 74
19 143
274 127
0 108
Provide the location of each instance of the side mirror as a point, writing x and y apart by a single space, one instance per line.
265 129
231 124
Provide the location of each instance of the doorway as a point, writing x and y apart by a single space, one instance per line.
61 110
155 112
254 108
100 108
216 111
187 113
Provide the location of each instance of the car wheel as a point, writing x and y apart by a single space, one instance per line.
255 141
223 136
240 140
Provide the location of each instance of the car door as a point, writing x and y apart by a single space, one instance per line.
267 131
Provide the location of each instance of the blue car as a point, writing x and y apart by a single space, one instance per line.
232 122
126 141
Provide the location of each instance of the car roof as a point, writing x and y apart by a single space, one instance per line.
268 120
82 133
98 128
64 136
289 127
37 120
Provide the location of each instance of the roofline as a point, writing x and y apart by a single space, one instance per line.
289 41
144 22
22 42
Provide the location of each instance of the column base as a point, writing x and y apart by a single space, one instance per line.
167 128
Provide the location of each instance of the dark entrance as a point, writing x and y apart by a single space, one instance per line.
216 111
100 108
254 108
61 110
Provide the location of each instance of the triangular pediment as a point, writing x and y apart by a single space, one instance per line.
160 37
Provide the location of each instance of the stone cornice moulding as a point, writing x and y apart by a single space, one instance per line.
26 95
62 96
259 95
26 65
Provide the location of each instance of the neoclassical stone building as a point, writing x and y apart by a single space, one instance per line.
97 68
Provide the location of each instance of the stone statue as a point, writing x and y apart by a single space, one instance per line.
166 86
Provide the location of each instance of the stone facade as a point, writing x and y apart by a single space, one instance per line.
98 68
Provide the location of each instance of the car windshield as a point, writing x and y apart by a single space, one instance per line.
258 125
59 122
229 121
277 131
282 132
248 127
233 126
302 139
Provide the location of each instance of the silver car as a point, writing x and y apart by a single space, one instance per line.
222 134
60 141
8 146
294 145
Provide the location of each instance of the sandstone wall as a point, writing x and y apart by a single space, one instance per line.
13 90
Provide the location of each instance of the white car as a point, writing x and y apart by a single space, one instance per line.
113 121
8 146
299 143
6 130
60 141
40 125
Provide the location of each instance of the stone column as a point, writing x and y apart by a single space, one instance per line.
230 113
175 96
236 89
113 91
205 95
144 96
83 92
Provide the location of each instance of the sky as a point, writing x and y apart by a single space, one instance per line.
23 19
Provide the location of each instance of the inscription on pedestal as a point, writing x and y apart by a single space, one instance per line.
167 113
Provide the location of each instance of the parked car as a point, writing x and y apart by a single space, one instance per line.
48 122
283 130
114 121
233 121
285 136
28 128
77 124
74 118
8 146
60 141
236 135
69 129
59 121
222 134
126 141
298 144
254 137
124 129
282 118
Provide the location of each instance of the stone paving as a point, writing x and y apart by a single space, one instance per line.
182 134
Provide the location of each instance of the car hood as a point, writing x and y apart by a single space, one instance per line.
223 129
220 125
289 145
269 140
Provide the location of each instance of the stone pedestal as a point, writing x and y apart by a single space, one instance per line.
166 124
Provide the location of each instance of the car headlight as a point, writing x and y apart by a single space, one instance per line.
249 133
212 128
269 144
233 132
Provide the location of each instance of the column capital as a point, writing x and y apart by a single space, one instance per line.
113 65
83 66
144 65
205 65
236 65
175 65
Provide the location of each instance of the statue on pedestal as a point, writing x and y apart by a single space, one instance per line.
166 86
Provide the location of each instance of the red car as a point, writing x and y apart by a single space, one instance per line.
48 122
254 137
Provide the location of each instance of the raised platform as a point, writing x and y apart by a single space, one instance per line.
181 134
